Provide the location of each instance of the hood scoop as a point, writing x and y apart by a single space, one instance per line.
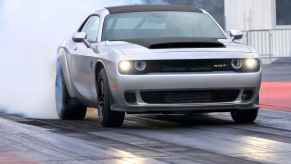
187 45
179 43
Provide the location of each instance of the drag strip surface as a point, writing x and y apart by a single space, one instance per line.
199 138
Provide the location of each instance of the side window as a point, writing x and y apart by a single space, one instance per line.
91 28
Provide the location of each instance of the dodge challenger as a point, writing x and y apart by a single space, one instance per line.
155 59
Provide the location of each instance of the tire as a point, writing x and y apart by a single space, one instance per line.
245 116
67 108
106 116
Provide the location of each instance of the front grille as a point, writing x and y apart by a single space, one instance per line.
198 65
189 96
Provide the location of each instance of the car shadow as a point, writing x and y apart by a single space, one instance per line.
198 119
140 122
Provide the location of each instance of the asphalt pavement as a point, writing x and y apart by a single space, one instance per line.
145 139
198 139
279 70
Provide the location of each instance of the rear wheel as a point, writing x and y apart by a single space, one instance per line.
106 116
67 108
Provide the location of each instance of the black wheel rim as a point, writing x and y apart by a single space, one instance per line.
101 99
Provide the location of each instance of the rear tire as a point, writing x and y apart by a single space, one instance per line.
106 116
245 116
67 108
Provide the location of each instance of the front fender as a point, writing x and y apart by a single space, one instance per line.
62 66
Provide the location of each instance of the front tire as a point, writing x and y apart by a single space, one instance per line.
67 108
245 116
106 116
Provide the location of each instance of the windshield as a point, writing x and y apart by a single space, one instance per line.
159 25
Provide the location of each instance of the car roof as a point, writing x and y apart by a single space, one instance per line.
149 8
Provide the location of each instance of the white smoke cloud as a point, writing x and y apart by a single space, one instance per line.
30 32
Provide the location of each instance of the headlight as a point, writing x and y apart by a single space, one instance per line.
251 64
132 67
237 64
246 65
125 66
140 65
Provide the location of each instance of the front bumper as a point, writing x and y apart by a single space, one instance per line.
198 81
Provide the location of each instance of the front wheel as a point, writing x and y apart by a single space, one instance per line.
106 116
245 116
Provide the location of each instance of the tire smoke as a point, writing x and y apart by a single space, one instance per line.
30 32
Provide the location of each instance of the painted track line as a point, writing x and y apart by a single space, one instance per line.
276 96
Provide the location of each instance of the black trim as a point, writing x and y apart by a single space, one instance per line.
145 8
160 43
85 21
189 96
182 66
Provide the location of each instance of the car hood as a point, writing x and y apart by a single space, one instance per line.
135 51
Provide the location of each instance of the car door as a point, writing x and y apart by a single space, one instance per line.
81 60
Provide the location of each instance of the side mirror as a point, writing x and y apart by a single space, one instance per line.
236 34
79 37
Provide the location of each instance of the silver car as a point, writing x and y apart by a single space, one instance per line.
155 59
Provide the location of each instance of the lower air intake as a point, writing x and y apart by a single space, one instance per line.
189 96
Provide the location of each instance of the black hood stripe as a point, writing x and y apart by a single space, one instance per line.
178 43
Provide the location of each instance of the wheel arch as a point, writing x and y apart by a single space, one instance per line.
63 66
98 67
